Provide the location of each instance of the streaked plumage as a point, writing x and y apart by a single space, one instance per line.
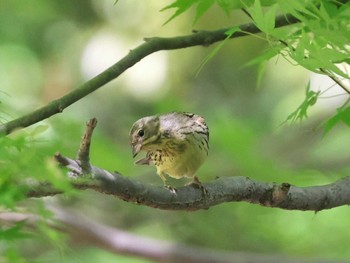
176 143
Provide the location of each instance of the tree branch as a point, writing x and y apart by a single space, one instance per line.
86 231
221 190
151 45
226 189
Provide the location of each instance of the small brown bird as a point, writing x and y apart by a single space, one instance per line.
176 143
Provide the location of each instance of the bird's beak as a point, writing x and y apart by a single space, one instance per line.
136 149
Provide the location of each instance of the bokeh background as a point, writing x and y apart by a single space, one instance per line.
48 48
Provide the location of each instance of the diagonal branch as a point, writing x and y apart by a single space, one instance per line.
88 232
151 45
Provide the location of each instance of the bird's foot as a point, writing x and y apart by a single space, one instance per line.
172 189
197 184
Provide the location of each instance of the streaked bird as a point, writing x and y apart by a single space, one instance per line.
176 143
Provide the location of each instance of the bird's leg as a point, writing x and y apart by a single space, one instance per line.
196 183
166 185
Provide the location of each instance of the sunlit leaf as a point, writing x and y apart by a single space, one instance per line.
258 16
298 9
269 19
265 21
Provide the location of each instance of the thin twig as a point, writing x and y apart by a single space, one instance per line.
84 149
245 11
336 80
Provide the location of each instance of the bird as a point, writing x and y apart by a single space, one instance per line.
177 143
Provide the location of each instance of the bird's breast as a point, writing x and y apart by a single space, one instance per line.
178 160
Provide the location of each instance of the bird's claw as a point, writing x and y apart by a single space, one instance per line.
172 189
197 184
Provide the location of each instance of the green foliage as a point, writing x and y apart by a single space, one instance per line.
342 115
181 6
202 8
317 43
22 155
228 5
301 112
229 34
243 136
265 21
14 233
261 61
26 160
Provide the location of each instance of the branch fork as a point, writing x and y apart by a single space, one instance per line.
220 190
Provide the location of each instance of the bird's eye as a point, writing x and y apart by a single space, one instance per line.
140 133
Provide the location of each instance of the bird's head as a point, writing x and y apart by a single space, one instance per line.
144 133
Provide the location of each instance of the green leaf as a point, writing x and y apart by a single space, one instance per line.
324 11
329 125
181 6
261 61
269 19
12 255
57 178
299 9
10 195
301 112
38 130
345 116
260 74
13 233
229 34
202 8
265 21
257 15
265 56
228 5
342 115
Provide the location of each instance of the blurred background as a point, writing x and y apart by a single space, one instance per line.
48 48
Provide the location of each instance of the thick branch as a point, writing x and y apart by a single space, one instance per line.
152 45
229 189
225 189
